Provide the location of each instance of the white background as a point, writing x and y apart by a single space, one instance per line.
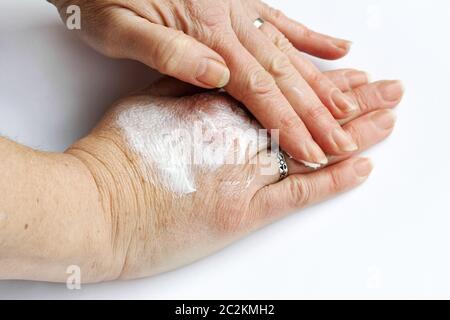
387 239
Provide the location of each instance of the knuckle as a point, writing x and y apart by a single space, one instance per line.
300 191
275 14
289 122
260 82
214 15
342 78
264 7
336 181
361 100
316 113
218 40
240 27
283 43
280 66
318 78
355 134
170 54
303 30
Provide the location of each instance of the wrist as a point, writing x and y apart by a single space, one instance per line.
124 200
51 218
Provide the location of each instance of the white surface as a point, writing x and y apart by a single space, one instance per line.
389 238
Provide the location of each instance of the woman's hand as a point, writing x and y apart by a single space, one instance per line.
172 197
164 179
201 42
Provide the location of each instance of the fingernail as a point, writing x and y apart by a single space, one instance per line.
391 90
343 140
384 119
315 155
357 78
344 103
213 73
363 167
343 44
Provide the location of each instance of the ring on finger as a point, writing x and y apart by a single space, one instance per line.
258 23
282 165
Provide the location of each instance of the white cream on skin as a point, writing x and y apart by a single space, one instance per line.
310 165
179 138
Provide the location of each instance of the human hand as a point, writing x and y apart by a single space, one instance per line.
201 42
173 199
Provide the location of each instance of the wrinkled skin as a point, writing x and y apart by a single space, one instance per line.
214 43
154 230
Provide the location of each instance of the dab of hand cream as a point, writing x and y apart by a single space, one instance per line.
179 138
310 165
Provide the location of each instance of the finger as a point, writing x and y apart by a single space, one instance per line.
347 79
302 190
374 96
330 95
171 52
304 39
367 131
325 130
257 90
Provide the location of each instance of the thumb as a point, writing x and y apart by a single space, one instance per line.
302 190
173 53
